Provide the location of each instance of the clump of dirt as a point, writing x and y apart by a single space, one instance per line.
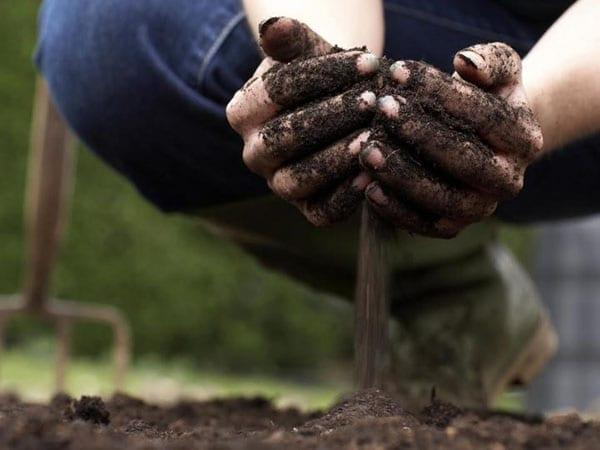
366 420
440 413
364 405
91 409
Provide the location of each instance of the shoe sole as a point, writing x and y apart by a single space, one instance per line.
534 356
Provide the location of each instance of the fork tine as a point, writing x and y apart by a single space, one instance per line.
3 319
106 315
9 306
122 349
63 335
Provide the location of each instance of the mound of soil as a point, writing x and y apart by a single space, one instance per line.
367 420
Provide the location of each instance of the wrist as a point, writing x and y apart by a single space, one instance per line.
541 101
564 96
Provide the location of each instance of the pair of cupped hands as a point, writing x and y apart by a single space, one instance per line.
431 153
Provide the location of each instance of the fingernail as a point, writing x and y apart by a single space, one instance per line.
375 194
373 157
367 100
357 143
367 63
472 59
361 181
400 72
389 106
266 24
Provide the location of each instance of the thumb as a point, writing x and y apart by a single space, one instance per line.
494 67
285 39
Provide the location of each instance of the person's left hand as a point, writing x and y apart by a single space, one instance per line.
456 145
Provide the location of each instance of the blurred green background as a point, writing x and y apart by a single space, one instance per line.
186 292
189 296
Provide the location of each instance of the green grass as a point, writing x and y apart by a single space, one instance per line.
29 372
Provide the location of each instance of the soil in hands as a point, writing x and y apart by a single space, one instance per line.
366 420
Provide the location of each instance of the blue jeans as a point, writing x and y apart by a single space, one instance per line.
145 83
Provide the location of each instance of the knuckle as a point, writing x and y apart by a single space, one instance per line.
515 187
510 188
367 101
536 139
465 208
518 182
505 180
478 207
233 113
249 158
317 218
366 63
285 185
253 153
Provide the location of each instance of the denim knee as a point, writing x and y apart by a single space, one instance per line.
130 78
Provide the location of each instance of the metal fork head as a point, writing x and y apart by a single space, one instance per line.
62 314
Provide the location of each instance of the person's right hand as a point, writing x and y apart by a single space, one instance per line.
304 117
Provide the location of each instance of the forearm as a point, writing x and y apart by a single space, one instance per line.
562 76
334 20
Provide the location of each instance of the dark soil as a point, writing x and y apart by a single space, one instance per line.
369 420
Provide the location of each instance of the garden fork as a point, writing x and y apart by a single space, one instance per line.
49 189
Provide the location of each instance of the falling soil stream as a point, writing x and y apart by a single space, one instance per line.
371 305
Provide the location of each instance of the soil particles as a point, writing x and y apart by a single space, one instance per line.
366 420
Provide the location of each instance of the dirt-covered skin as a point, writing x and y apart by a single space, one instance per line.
451 150
441 150
299 41
296 117
367 420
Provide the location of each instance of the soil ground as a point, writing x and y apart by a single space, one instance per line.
367 420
